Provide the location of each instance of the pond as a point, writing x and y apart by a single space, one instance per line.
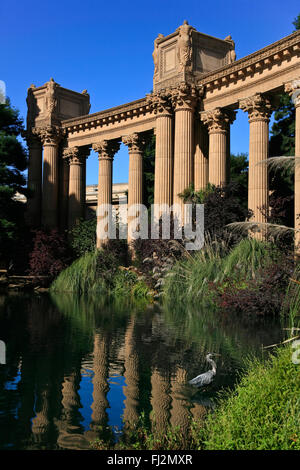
78 369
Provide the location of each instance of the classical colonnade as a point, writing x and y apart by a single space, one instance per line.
189 113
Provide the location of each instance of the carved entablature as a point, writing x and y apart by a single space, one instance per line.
49 104
186 55
49 135
106 149
293 89
218 120
134 142
259 107
160 102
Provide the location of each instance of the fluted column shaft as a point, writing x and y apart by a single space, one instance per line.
50 186
259 111
163 159
106 151
180 413
100 384
183 152
50 137
135 177
64 193
218 122
34 183
201 167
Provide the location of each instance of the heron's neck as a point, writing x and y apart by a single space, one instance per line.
213 365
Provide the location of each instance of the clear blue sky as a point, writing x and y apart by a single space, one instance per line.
106 47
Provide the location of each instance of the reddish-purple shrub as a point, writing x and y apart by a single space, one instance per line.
50 254
260 296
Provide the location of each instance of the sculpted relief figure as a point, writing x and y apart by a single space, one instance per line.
50 97
155 53
30 106
232 54
184 45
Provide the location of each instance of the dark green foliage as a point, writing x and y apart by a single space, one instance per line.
13 161
296 22
239 175
83 236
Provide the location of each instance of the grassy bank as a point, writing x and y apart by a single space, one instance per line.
262 412
99 272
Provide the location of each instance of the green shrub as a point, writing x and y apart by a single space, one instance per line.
83 236
263 412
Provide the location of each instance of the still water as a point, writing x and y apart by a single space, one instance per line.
80 368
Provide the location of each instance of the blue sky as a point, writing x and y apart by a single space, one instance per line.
106 47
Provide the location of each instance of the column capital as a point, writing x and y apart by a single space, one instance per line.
134 142
293 89
106 149
49 135
185 96
160 102
259 107
218 120
74 156
31 139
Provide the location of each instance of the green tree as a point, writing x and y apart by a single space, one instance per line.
13 161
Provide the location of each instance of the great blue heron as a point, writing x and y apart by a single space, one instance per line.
207 377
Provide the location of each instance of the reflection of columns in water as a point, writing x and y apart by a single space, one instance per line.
198 412
70 398
160 401
100 384
40 423
180 414
131 390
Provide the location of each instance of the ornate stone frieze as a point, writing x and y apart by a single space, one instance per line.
218 120
160 102
293 89
184 96
258 107
106 149
49 135
134 142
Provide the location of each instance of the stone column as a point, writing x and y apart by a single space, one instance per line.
64 193
75 207
184 100
259 111
201 166
50 137
34 182
131 363
135 178
106 151
218 121
163 187
293 88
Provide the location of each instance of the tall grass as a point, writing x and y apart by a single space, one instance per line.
291 303
189 280
80 277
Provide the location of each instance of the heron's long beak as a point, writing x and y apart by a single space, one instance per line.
217 354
